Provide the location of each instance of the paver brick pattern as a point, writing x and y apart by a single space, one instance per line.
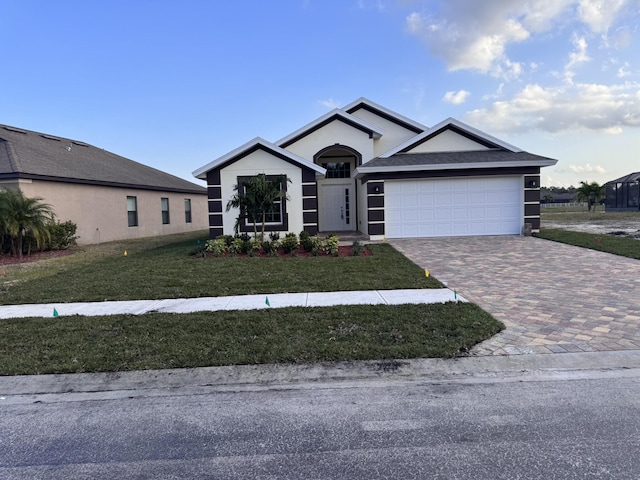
552 297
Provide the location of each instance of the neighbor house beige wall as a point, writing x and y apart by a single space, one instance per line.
101 212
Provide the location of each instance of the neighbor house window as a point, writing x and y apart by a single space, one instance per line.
132 211
275 220
337 169
165 210
187 210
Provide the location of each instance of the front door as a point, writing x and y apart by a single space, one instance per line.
337 214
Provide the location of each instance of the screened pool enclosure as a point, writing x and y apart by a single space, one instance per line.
622 194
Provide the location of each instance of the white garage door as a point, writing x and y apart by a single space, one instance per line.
453 207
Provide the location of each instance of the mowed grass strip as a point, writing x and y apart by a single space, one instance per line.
293 335
167 271
623 246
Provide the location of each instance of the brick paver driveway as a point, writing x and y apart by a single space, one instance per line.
551 297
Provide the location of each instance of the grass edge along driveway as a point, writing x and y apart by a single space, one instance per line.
163 269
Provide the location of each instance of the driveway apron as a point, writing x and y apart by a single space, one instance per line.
552 297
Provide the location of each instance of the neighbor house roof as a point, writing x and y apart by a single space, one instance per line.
34 155
251 146
491 158
632 177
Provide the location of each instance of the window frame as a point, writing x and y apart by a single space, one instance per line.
132 215
188 218
283 225
166 217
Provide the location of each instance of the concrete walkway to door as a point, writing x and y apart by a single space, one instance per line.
552 297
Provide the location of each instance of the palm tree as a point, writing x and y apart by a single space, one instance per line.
257 197
21 216
590 192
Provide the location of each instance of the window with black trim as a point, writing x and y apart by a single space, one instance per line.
337 169
187 210
165 210
132 211
277 219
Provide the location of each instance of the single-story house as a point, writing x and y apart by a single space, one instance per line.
623 194
107 196
366 168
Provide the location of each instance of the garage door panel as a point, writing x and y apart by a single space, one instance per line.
453 207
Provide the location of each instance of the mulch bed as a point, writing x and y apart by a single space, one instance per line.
6 260
343 251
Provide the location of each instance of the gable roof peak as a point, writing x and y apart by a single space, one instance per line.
454 124
322 120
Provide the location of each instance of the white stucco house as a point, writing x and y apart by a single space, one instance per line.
368 169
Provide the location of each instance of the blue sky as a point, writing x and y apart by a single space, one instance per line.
176 84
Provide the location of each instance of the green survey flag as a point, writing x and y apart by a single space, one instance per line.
267 302
55 312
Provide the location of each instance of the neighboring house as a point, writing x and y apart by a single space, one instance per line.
623 194
107 196
366 168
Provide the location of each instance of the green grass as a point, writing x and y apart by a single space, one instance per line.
626 247
293 335
165 270
580 214
161 268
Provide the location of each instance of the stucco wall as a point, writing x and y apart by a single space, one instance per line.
448 141
334 132
256 163
393 134
101 212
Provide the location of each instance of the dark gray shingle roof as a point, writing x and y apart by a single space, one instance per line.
632 177
28 154
452 158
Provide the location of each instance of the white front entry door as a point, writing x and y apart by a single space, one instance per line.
336 210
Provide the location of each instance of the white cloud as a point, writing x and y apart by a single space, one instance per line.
599 15
578 56
603 108
474 35
456 98
330 103
623 71
588 168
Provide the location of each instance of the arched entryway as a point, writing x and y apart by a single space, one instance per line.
337 194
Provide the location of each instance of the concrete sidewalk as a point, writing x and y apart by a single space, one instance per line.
238 302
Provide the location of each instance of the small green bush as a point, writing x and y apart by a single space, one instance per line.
238 245
226 238
311 244
290 243
357 248
218 246
331 245
61 235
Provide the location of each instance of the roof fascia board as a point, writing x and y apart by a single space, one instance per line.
364 170
250 146
319 122
385 113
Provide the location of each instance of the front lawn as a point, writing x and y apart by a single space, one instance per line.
165 270
161 268
291 335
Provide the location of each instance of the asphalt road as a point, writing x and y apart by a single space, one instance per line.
570 425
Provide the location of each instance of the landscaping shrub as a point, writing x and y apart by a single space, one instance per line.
61 235
218 246
310 243
290 243
331 245
357 248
